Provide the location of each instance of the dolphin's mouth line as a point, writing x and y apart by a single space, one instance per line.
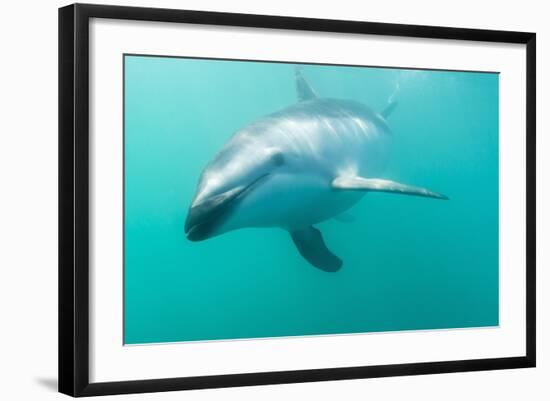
202 226
203 218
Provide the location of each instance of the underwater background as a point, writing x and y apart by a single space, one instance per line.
409 263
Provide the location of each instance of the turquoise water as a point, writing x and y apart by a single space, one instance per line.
409 263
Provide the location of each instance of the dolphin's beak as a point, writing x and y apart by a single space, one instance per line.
204 218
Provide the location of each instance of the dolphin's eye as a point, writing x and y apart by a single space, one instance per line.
278 159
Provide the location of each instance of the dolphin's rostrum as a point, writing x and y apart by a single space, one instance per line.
296 168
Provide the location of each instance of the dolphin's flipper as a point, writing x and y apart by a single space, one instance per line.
303 89
311 246
378 185
388 109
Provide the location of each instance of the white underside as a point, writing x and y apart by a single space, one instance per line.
290 201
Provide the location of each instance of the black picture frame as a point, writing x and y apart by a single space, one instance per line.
74 198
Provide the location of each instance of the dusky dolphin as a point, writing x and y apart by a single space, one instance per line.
296 168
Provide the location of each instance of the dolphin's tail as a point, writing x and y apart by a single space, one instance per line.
392 104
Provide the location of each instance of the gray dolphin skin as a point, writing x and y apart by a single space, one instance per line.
295 168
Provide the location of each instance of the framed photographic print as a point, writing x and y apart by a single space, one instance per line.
250 199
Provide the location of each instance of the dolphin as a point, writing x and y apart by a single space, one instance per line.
295 168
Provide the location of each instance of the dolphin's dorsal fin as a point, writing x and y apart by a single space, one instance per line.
378 185
303 89
311 246
390 107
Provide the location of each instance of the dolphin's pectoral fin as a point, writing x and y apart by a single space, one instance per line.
303 89
378 185
311 246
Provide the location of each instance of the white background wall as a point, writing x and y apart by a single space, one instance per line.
28 201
